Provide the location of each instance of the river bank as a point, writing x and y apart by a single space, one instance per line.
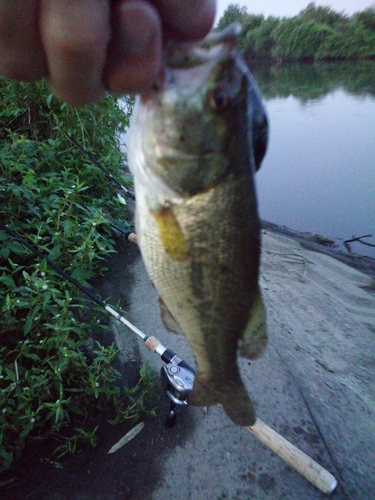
325 246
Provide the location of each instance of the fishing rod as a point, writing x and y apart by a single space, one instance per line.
177 376
129 235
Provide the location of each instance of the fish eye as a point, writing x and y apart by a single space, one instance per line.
218 100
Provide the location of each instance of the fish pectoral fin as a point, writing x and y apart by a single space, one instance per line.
171 234
254 337
168 320
231 397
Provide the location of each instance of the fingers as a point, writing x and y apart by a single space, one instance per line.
186 20
134 54
85 47
21 52
75 35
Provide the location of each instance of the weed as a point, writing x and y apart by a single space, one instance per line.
51 194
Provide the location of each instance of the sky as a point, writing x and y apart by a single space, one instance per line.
291 8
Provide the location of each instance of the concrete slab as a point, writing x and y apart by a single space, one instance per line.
314 385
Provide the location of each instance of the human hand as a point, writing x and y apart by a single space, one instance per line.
85 47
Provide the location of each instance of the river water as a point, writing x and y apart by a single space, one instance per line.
319 172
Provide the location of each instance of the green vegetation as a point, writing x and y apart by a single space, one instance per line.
316 33
53 377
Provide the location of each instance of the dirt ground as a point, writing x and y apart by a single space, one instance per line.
314 385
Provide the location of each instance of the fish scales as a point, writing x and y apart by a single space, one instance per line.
193 162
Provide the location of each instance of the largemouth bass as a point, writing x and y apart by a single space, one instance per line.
195 143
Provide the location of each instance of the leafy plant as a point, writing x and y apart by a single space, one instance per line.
51 194
316 33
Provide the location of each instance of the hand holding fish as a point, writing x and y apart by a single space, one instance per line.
85 47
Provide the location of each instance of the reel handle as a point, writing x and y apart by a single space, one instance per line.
171 416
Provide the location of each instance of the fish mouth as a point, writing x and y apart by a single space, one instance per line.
190 65
216 46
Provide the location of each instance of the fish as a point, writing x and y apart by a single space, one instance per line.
196 140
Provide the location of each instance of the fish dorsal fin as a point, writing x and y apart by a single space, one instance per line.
168 320
254 337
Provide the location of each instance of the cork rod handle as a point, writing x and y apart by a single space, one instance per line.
296 458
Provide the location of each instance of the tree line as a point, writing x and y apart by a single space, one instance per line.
316 33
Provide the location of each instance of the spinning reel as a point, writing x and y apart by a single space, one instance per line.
178 381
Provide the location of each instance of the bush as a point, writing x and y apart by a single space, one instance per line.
59 201
316 33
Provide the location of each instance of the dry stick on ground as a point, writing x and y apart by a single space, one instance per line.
359 239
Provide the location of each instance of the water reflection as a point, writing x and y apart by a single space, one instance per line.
319 172
315 80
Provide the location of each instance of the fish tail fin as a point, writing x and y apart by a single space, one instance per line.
232 397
